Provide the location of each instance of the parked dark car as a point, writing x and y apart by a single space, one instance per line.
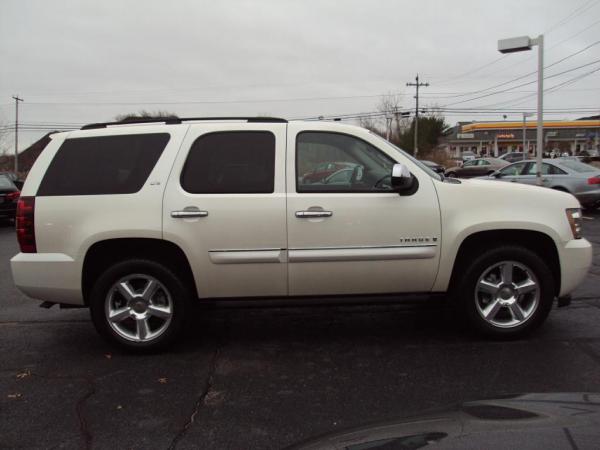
9 196
437 168
14 178
476 168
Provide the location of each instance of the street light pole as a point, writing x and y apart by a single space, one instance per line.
525 147
540 107
519 44
17 100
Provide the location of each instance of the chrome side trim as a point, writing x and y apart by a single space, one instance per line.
188 214
362 253
313 214
251 256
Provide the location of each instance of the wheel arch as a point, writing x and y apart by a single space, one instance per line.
103 254
536 241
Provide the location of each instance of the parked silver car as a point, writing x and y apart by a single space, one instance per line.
581 180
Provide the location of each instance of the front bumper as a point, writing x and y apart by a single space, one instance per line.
52 277
575 261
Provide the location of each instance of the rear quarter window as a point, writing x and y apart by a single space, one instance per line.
103 164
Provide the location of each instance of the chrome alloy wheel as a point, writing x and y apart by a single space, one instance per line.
139 308
507 294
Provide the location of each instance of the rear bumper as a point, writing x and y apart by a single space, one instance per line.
575 261
52 277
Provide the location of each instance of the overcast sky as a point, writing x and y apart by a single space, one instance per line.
76 62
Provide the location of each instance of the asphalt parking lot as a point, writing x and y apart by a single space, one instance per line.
267 378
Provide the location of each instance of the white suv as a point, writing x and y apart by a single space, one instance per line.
139 221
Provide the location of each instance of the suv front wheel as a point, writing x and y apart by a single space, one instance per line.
139 305
506 292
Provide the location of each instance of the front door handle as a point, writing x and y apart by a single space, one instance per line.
188 214
313 214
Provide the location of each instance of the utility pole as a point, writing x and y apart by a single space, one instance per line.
417 85
17 100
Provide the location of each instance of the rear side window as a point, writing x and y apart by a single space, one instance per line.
103 165
241 162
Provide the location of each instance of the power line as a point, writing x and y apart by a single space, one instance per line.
523 84
527 74
577 11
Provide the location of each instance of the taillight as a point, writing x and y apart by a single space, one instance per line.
13 196
594 180
26 224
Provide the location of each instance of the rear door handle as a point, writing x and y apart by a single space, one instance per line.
188 214
313 214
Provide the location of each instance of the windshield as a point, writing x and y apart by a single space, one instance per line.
5 182
426 169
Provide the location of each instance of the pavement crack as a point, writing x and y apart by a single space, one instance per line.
80 405
201 396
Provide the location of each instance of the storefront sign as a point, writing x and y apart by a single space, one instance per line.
465 135
506 136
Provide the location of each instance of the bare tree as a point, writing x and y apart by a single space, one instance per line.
143 114
389 120
5 131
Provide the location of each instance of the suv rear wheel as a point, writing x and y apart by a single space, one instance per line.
506 292
139 305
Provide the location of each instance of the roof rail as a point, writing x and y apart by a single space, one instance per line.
178 120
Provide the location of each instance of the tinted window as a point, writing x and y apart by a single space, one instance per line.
103 165
352 164
553 170
233 162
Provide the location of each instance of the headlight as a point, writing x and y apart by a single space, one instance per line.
574 216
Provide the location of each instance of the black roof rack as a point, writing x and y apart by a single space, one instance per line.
178 120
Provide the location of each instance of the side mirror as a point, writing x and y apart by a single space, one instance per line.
402 180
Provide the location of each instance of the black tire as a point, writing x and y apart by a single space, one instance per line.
176 289
451 174
466 300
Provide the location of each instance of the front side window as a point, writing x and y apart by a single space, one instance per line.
513 169
231 162
345 163
483 162
100 165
